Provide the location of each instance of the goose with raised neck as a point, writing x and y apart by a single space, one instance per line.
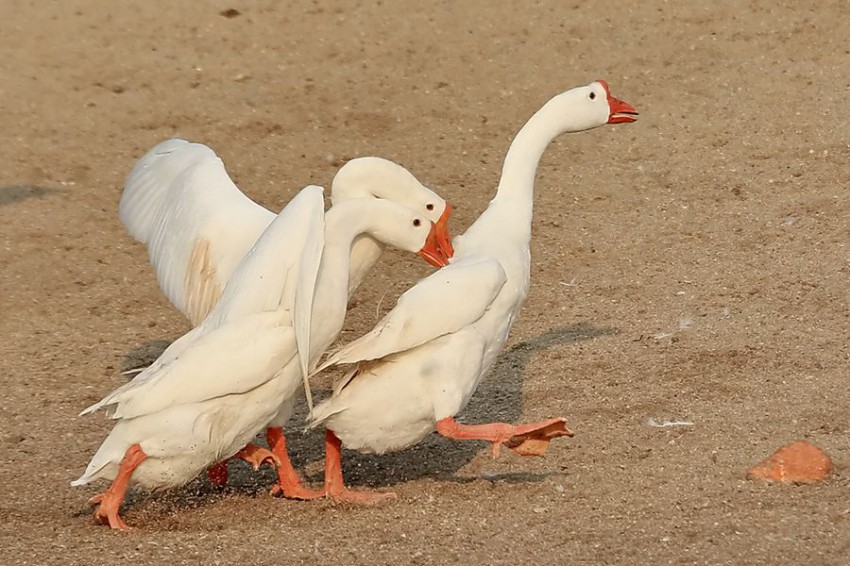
420 365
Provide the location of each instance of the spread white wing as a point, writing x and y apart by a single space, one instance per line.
252 332
180 202
444 302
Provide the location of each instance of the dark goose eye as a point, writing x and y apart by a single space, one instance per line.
429 206
592 95
417 222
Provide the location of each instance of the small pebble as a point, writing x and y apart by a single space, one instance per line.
798 462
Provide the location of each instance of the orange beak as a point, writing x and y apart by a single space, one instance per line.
443 235
620 112
433 252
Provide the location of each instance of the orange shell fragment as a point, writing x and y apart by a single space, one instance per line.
798 462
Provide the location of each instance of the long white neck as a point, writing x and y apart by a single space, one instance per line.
523 157
365 177
510 211
346 224
365 252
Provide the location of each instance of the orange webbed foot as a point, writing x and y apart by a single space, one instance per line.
530 439
334 484
533 439
107 514
257 456
109 502
288 483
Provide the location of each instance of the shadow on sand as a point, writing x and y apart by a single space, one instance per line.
143 355
498 398
16 193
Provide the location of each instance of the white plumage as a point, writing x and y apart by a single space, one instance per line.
210 392
197 225
420 365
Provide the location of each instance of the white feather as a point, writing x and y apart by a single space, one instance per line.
257 303
442 303
180 202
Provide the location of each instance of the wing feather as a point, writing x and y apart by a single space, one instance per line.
219 363
442 303
308 272
269 274
249 335
197 225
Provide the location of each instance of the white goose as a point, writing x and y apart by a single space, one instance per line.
179 201
420 365
197 225
217 386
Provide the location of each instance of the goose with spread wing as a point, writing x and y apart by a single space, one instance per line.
210 392
197 225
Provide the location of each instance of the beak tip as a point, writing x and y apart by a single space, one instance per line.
444 239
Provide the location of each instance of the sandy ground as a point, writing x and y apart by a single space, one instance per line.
691 266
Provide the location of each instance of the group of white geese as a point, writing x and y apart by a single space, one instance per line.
267 294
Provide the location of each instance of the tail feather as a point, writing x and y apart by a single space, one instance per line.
323 412
104 463
109 401
95 470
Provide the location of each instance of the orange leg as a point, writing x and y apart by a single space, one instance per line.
109 502
288 482
217 473
334 484
527 440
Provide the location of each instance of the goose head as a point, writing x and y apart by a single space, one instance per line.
383 179
591 106
403 228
